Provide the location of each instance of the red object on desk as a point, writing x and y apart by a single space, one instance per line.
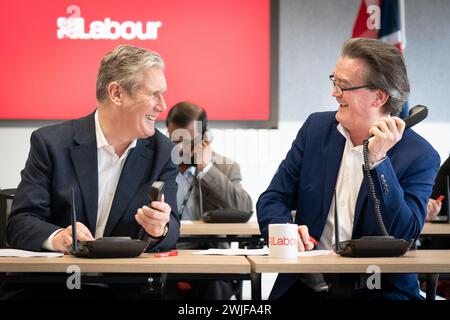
311 238
166 254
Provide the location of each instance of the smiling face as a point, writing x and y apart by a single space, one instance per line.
140 110
358 109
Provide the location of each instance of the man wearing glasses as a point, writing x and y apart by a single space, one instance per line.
324 167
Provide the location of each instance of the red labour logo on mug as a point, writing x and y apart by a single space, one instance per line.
282 241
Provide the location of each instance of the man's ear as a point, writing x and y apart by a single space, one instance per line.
381 97
115 93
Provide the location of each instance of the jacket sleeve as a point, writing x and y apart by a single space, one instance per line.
27 225
440 185
403 200
227 190
275 204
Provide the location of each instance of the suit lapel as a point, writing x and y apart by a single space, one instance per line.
362 198
84 158
135 170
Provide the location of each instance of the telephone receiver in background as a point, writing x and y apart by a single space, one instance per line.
206 137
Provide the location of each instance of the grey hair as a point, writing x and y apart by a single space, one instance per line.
125 64
386 69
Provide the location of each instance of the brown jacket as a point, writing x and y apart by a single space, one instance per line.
221 187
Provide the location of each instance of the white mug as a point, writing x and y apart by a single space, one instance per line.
283 240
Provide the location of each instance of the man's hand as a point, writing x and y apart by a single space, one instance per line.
154 219
303 239
203 154
62 241
386 133
433 208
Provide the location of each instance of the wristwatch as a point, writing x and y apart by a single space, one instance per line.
151 241
166 229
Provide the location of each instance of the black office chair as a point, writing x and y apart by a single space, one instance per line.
5 195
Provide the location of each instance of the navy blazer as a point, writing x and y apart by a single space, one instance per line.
306 178
64 156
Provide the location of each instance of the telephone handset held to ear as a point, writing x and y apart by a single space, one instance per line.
416 115
385 245
206 137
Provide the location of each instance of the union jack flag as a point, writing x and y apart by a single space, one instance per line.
384 20
381 19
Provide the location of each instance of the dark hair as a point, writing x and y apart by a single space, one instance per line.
386 69
183 113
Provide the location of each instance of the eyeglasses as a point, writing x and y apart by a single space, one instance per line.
340 90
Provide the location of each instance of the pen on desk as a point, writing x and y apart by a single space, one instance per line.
311 238
440 198
166 254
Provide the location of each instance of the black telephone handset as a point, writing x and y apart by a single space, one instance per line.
205 137
113 247
385 245
155 193
416 114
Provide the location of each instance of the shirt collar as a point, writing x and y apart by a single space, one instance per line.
100 137
190 172
346 135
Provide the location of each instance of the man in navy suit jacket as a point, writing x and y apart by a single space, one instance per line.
110 158
370 85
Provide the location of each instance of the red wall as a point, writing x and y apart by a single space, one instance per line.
216 54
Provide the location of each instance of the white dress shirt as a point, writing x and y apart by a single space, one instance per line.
184 181
110 167
348 183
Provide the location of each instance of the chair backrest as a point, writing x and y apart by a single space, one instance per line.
6 196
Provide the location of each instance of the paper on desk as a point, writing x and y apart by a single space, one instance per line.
258 252
28 254
235 252
314 253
